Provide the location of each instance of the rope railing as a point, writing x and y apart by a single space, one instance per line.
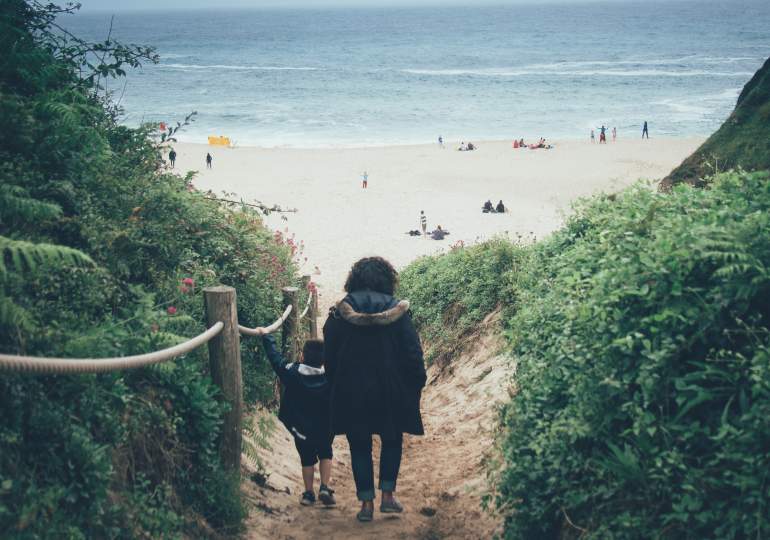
307 306
264 330
42 365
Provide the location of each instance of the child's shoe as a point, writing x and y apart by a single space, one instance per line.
326 495
308 499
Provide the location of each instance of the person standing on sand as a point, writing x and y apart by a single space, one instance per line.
644 130
614 134
209 159
441 141
375 367
365 180
593 137
602 135
172 157
423 222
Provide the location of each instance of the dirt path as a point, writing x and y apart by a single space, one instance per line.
441 479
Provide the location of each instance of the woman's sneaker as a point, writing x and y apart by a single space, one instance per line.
326 495
366 514
308 499
391 507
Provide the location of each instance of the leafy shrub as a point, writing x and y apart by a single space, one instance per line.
643 382
451 293
97 242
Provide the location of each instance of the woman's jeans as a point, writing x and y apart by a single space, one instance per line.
363 468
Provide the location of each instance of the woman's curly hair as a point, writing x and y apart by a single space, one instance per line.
373 274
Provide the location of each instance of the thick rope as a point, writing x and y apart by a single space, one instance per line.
307 306
261 331
38 365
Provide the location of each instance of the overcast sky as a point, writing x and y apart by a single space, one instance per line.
123 5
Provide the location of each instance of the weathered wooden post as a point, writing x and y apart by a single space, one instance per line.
225 364
289 345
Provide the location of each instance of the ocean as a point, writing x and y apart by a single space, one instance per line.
371 76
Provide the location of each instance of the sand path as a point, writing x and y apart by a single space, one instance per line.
442 477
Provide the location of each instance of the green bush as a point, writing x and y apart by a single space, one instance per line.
451 293
96 238
643 381
641 336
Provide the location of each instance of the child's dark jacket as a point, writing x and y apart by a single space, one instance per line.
305 401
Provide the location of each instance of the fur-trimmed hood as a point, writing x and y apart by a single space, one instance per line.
369 308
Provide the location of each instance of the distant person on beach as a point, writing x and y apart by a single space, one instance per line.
439 233
209 159
441 141
645 131
602 135
500 208
462 148
614 134
172 157
593 137
374 363
365 180
423 222
487 208
304 412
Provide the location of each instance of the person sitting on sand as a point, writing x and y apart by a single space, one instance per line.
515 143
521 143
304 412
470 146
463 147
487 208
374 362
439 233
500 208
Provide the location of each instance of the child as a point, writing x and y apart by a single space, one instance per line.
305 413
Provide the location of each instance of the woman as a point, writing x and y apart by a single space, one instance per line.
375 367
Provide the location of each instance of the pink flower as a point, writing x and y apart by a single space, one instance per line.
171 310
188 281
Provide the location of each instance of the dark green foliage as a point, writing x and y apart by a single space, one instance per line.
742 141
451 293
641 334
643 380
96 240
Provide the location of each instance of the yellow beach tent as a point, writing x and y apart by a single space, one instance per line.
219 141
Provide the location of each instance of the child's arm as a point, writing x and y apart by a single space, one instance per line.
277 362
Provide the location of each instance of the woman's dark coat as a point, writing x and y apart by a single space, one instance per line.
375 366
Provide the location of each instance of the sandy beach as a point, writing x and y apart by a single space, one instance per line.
340 222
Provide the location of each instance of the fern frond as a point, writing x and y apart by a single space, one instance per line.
15 204
12 315
256 437
23 256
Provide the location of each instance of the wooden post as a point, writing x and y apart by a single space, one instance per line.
225 364
314 314
289 345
